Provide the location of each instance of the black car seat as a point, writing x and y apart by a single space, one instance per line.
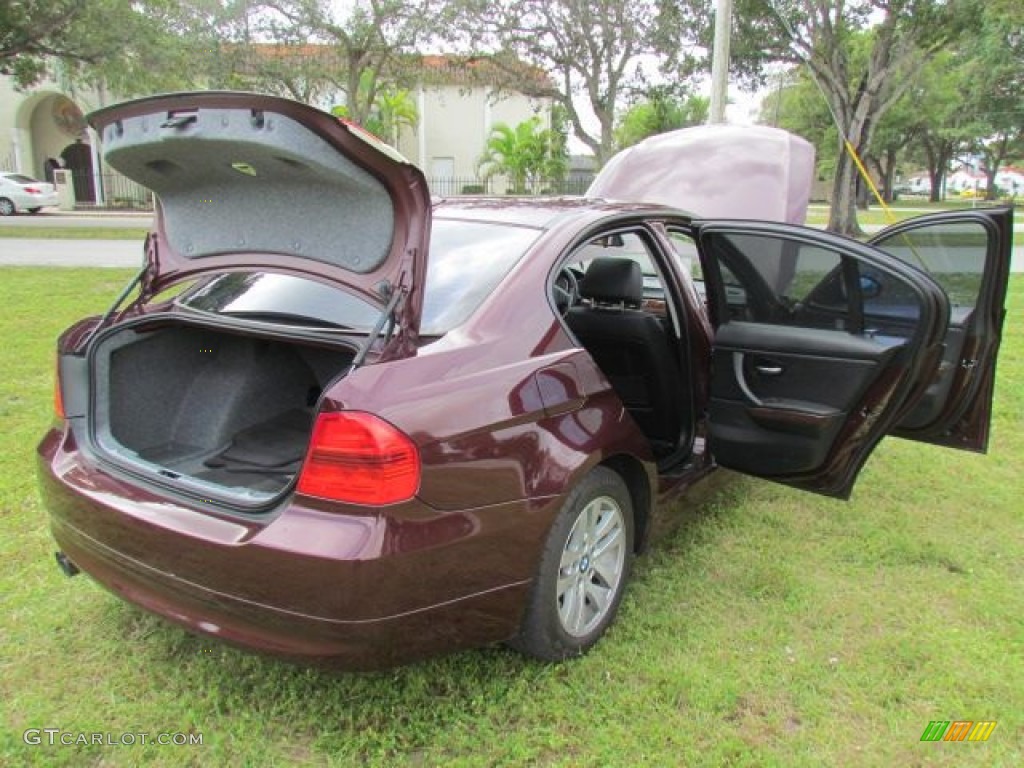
632 347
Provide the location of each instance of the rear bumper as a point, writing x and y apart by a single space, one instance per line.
361 590
28 202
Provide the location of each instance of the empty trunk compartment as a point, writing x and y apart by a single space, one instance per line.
207 409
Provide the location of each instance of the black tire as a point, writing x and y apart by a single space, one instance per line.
35 210
7 207
571 602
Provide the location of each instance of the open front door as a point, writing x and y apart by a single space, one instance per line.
968 254
804 382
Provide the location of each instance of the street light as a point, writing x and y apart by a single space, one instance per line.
720 61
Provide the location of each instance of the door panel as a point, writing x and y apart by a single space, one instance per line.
968 254
927 410
793 388
804 384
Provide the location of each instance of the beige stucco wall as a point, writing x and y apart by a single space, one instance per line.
8 108
454 123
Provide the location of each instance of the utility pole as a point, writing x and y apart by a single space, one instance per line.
720 61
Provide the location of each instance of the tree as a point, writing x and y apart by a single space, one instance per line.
556 163
943 129
527 154
592 48
394 109
363 35
796 106
169 45
127 47
659 112
859 88
994 77
77 32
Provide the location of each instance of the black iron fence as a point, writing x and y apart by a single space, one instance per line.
454 186
471 185
119 193
115 192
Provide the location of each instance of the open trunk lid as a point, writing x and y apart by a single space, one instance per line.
246 182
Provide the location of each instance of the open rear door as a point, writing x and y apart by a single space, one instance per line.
804 383
968 254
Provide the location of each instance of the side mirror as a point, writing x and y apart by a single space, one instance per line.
610 241
870 287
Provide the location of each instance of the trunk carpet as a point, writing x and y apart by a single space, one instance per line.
265 455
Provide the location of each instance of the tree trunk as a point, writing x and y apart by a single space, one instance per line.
863 193
994 157
842 217
886 169
606 118
857 118
991 193
938 155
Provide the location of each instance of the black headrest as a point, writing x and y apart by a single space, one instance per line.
612 280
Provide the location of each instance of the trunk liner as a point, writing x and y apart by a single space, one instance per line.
262 457
278 444
225 409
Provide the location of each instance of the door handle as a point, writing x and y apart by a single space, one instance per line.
768 370
741 379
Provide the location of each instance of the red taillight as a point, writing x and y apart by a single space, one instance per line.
33 190
58 398
358 458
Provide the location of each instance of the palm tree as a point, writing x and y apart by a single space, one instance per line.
527 154
395 109
392 108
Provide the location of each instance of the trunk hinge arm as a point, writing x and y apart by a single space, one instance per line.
397 295
386 317
143 280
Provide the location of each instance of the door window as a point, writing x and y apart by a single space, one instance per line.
784 281
632 246
952 253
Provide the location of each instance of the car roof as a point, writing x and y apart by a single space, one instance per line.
536 212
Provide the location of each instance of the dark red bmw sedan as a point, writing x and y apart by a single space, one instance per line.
335 421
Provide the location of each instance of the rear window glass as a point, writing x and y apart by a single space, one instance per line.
467 261
19 179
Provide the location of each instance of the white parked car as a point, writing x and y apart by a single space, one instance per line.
23 193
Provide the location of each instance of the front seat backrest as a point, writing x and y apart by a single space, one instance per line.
631 347
611 280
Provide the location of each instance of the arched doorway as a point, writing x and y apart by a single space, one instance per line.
47 126
77 158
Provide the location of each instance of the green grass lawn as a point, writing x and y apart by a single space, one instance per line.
767 628
74 233
817 214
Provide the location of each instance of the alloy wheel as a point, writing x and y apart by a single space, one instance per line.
591 567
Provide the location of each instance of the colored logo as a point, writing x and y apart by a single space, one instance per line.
958 730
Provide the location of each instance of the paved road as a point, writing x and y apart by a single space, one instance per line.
79 219
70 253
